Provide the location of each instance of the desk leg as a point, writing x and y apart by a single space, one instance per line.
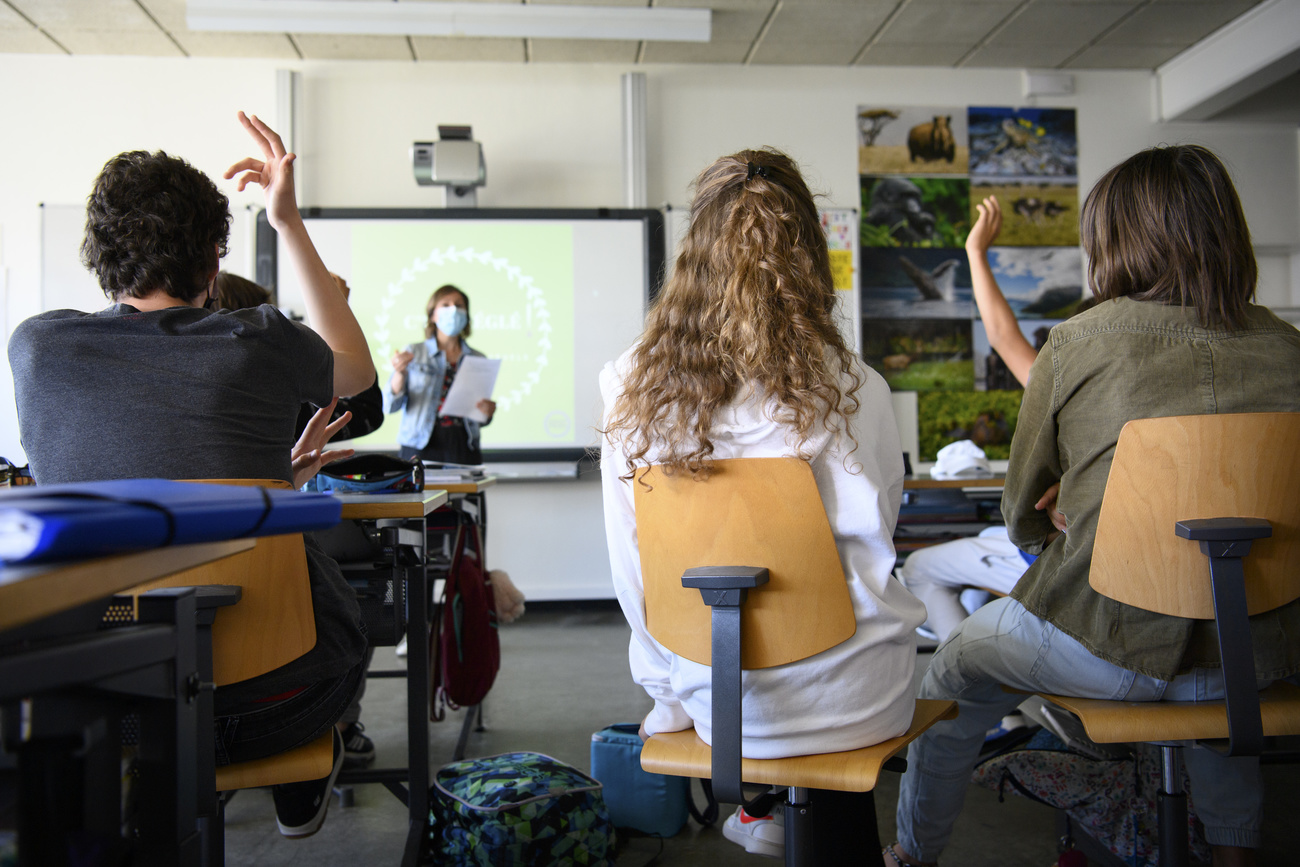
417 698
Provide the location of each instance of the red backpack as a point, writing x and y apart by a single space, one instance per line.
463 644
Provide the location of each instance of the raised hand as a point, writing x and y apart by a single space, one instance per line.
987 226
308 453
274 172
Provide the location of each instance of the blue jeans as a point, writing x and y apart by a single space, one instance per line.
1002 643
256 731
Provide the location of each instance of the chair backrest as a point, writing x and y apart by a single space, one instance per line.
750 512
1165 470
274 622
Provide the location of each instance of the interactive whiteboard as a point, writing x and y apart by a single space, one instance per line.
554 294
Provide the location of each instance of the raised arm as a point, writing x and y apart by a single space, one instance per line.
1003 329
327 309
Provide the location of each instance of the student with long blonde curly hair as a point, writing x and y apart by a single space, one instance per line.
741 357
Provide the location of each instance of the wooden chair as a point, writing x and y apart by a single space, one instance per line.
272 625
1186 493
765 512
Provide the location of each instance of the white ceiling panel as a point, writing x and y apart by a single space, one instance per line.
275 46
842 22
1123 57
695 52
583 51
169 13
1174 23
902 54
1013 56
1060 24
316 46
107 15
468 48
29 41
922 22
149 43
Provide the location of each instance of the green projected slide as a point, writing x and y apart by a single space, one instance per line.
519 278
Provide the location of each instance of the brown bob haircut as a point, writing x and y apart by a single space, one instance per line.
233 292
1166 225
438 294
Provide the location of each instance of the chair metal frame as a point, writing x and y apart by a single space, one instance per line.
764 510
1226 483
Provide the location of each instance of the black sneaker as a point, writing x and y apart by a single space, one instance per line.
357 748
300 807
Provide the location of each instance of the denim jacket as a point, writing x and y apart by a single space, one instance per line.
423 389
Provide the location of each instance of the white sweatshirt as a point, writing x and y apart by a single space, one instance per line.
853 695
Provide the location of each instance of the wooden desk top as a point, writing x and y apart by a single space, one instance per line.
916 483
392 505
28 593
471 487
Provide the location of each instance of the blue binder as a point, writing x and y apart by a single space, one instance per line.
91 519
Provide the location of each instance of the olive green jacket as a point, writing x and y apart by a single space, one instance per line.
1122 360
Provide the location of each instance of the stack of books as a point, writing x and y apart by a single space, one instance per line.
444 473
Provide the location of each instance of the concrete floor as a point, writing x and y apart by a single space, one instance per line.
563 676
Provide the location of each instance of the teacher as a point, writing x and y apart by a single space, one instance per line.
422 374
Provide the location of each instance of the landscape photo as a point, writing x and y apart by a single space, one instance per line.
915 282
1035 212
911 140
1011 142
914 211
1041 282
986 418
920 354
991 374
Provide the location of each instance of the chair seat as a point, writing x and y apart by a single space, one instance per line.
1109 722
683 754
310 762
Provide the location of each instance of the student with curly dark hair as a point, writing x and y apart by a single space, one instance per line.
741 357
157 386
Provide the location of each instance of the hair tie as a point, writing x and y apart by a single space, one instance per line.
755 169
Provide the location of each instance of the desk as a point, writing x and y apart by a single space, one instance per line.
63 679
29 593
412 511
919 483
474 486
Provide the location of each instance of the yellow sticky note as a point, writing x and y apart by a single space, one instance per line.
842 269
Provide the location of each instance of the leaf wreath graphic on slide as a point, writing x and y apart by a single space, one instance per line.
535 310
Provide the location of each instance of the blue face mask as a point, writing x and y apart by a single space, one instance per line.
450 320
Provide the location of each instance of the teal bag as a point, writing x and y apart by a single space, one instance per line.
518 810
653 804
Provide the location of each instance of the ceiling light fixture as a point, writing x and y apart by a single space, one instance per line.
516 20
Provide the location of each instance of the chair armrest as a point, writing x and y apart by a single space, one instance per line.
1225 541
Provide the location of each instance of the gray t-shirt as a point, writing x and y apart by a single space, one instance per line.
183 393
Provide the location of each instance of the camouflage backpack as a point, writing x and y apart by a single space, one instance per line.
518 810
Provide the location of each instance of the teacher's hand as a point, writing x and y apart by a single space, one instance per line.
488 408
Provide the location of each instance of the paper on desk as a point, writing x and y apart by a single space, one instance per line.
475 379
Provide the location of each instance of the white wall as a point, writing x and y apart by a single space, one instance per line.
551 135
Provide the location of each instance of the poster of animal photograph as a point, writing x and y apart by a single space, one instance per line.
987 418
912 140
1043 282
1035 213
991 374
915 212
1012 142
915 282
920 354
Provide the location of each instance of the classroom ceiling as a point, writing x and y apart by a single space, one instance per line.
1039 34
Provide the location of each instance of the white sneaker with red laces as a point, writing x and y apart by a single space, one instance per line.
762 836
